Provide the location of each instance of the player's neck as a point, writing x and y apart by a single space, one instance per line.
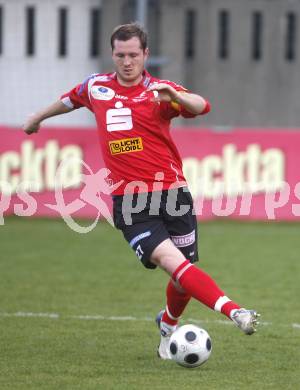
130 83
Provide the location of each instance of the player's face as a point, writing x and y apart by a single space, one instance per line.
129 59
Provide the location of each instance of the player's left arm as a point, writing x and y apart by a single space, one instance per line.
193 103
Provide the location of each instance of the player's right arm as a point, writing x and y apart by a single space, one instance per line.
76 98
34 121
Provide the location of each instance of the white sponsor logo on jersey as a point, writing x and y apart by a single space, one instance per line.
141 97
102 93
119 118
121 97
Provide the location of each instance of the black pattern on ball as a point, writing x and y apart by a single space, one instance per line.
190 336
208 344
173 348
192 358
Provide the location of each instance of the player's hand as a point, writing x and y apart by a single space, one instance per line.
165 93
32 125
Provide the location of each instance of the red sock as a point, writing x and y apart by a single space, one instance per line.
227 307
203 288
176 303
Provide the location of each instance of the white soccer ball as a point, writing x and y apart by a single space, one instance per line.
190 346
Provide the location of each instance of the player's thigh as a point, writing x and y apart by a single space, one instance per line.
144 238
167 256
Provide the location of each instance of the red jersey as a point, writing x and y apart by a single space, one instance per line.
134 131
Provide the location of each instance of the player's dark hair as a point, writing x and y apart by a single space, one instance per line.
124 32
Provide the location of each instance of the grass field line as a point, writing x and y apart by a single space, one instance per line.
21 314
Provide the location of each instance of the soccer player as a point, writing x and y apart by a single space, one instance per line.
151 202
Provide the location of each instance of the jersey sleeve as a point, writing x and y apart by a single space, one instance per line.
172 109
78 96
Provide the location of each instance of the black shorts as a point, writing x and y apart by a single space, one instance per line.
157 216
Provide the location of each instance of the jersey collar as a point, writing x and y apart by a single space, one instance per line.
144 82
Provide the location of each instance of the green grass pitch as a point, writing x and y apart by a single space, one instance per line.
92 306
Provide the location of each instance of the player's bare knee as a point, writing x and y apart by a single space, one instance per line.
160 260
167 256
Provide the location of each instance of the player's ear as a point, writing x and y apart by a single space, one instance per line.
147 52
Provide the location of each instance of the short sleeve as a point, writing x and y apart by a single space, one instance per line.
78 96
